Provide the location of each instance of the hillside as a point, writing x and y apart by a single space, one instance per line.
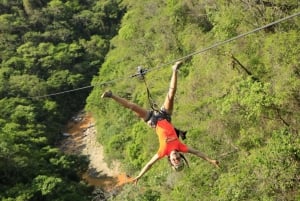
239 100
238 96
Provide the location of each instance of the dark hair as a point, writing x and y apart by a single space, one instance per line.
180 133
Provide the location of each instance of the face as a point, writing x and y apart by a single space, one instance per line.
175 158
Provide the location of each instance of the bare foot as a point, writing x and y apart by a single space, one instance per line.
106 94
177 65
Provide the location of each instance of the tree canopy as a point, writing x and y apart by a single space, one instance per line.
239 101
47 46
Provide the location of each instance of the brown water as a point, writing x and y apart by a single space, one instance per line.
81 139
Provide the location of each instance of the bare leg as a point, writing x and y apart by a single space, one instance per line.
169 100
140 112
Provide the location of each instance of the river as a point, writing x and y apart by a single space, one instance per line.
80 137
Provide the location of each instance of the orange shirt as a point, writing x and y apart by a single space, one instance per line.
168 140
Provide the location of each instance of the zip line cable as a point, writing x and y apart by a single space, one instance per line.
76 89
179 59
229 40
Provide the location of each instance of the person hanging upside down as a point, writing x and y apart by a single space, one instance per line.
168 135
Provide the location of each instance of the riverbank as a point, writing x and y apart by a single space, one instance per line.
80 137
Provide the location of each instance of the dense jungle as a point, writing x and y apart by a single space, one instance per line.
238 96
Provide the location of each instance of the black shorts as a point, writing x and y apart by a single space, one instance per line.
154 116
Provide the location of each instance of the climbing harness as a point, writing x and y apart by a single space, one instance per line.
155 114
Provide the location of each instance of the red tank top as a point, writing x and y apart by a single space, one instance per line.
168 140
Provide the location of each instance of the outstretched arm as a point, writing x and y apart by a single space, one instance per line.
146 168
203 156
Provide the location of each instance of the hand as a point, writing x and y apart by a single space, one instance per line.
177 65
135 180
215 163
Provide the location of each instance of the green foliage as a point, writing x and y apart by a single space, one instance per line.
269 172
43 50
239 102
249 97
46 184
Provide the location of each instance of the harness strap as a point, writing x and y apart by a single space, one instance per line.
150 99
141 73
